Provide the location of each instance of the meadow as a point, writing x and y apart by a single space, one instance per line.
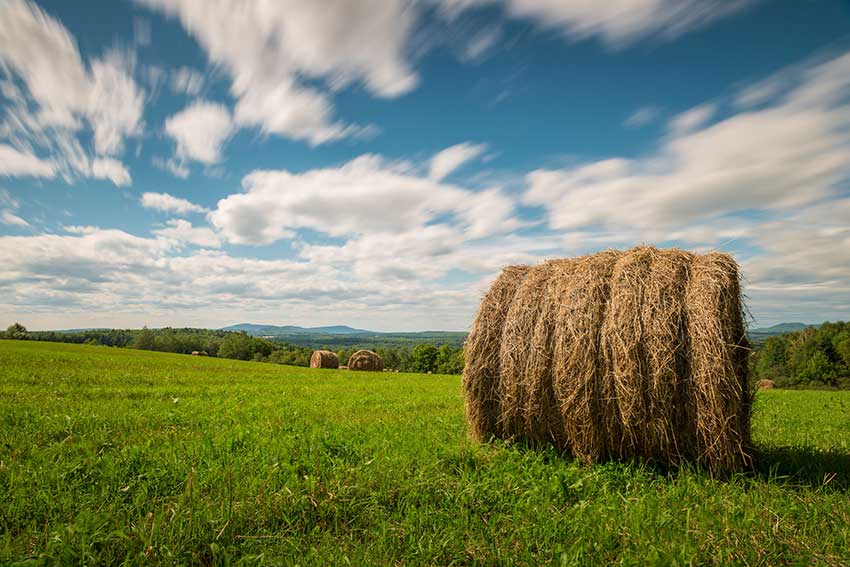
116 456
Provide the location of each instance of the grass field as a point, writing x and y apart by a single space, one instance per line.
111 456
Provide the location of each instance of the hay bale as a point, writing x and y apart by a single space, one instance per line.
324 359
482 371
765 385
366 360
616 355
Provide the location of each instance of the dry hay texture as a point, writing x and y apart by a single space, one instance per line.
622 354
324 359
366 360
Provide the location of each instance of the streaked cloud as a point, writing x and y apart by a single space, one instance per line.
11 219
790 154
448 160
71 98
269 48
169 203
188 81
616 22
16 163
641 117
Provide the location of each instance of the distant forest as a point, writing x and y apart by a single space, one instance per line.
812 357
405 357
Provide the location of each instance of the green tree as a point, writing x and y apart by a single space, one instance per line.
449 360
771 364
819 368
424 358
841 344
17 331
236 345
145 340
390 357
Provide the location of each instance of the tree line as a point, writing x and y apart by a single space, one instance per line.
238 345
811 357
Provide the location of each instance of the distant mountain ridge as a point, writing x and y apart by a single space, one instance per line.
255 329
781 328
343 336
760 334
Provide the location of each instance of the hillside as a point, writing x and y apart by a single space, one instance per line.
761 333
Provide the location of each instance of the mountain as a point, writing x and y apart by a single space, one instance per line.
342 336
254 329
780 329
762 333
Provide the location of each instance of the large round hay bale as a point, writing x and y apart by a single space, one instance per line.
765 385
615 355
324 359
366 360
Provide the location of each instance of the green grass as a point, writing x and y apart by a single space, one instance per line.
111 456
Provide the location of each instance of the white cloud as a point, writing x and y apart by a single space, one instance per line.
425 254
113 170
270 48
106 272
59 96
365 195
110 277
8 217
76 229
616 22
42 52
15 163
176 168
185 80
142 31
448 160
692 119
790 154
803 267
169 203
115 103
641 117
481 43
200 130
8 200
182 231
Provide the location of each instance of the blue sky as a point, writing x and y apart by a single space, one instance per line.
376 162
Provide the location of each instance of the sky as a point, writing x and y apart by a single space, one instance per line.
376 163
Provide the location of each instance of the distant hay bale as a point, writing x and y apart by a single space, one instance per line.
615 355
366 360
199 353
324 359
765 385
